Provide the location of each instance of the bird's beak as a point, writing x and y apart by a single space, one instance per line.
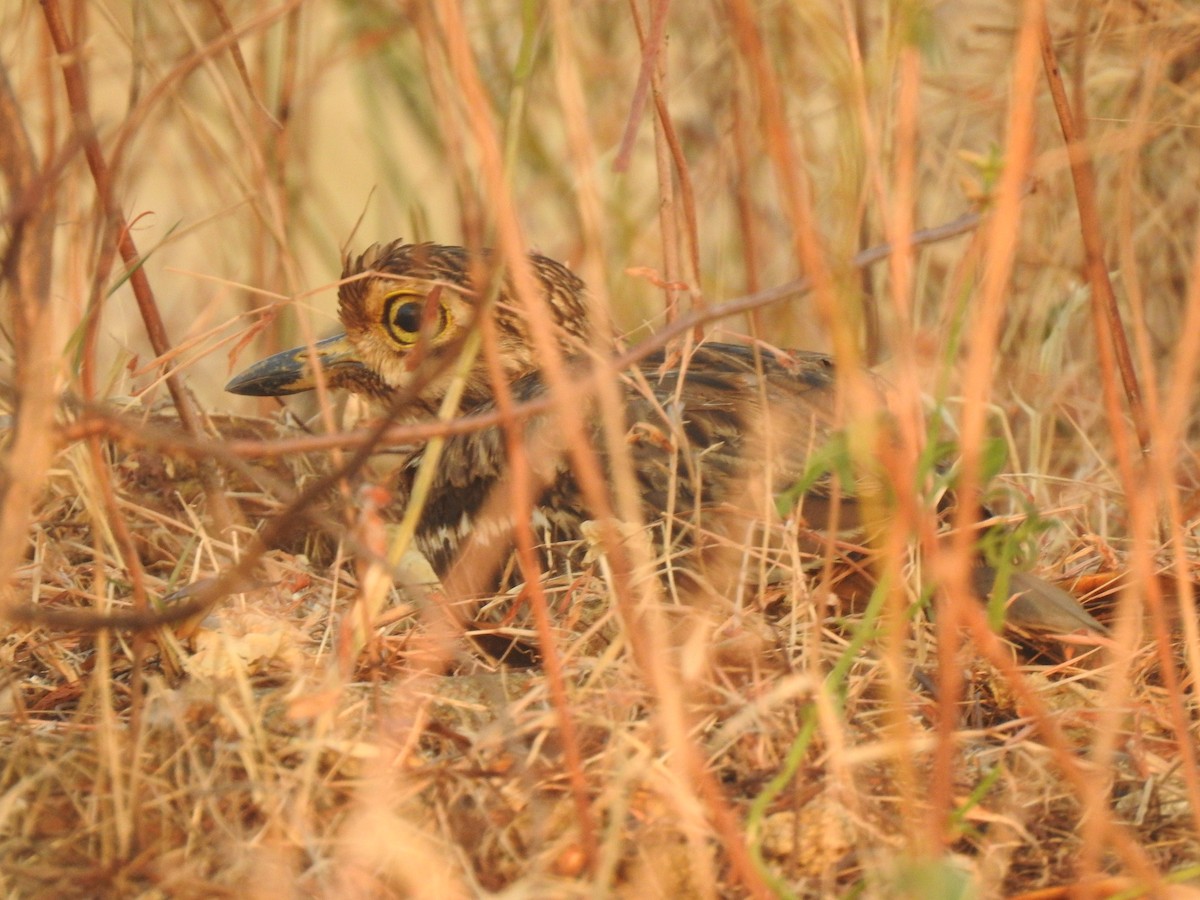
294 371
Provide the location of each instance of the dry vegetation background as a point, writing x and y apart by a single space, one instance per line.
272 746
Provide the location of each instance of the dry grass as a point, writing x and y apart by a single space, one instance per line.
323 732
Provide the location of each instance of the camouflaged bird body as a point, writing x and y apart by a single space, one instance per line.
698 437
713 435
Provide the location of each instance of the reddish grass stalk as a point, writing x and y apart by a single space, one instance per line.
667 211
899 224
981 341
625 489
651 47
747 224
27 269
670 164
976 391
524 494
797 198
1113 351
1140 134
77 99
239 61
461 65
1180 402
1110 329
901 460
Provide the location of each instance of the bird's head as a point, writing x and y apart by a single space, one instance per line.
407 310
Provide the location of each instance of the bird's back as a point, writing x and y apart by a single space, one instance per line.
726 428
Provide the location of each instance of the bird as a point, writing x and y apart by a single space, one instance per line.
716 436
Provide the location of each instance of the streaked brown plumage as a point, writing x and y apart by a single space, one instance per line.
713 440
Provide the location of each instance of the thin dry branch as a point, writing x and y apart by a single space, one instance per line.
1084 178
651 47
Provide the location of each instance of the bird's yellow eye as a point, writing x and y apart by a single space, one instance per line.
404 315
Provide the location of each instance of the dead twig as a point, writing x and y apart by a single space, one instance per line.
1110 330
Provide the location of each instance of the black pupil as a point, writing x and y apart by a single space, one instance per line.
407 316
